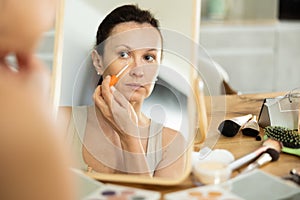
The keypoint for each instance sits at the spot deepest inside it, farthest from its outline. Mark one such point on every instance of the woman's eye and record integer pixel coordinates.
(149, 58)
(124, 54)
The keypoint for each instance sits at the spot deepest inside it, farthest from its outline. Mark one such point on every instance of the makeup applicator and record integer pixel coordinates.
(231, 127)
(269, 156)
(268, 144)
(115, 78)
(251, 128)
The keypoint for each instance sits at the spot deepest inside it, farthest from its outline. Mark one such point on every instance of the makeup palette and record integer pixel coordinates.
(210, 192)
(116, 192)
(90, 189)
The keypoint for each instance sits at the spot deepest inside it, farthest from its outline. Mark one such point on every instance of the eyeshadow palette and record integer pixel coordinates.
(203, 193)
(116, 192)
(90, 189)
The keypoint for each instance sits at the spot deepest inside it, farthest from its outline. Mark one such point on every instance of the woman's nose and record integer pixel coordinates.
(136, 67)
(137, 71)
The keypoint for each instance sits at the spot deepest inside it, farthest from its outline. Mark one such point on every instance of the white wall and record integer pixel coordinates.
(257, 57)
(82, 18)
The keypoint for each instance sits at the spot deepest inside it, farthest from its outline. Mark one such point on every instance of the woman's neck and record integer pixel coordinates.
(143, 120)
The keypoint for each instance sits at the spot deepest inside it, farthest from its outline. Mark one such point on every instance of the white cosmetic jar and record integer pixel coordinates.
(211, 172)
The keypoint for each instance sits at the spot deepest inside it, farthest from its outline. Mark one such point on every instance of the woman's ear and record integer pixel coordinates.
(97, 62)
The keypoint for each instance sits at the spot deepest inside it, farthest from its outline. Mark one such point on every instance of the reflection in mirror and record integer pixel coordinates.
(113, 134)
(135, 143)
(140, 126)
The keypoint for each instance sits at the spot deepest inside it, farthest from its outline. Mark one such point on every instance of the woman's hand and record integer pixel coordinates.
(119, 113)
(117, 110)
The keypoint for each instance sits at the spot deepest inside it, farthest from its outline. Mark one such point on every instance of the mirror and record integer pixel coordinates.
(176, 101)
(57, 57)
(50, 52)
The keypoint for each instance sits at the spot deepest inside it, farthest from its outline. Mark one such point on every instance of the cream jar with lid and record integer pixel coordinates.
(212, 172)
(211, 167)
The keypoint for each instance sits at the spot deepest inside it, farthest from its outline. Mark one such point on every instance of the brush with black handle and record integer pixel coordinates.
(269, 156)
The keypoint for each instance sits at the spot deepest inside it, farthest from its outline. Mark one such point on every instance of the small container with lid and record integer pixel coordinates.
(212, 172)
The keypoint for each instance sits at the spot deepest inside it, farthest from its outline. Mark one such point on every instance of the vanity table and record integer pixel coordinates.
(239, 145)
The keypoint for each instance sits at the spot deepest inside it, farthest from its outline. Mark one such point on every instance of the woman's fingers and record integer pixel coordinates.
(102, 95)
(120, 103)
(115, 107)
(100, 102)
(97, 96)
(119, 98)
(106, 91)
(110, 94)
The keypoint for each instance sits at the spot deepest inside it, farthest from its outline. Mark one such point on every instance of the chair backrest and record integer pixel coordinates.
(211, 74)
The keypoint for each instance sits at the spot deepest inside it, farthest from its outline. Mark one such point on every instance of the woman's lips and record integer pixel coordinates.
(134, 86)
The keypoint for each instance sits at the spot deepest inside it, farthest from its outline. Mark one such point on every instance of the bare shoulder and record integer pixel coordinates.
(170, 135)
(64, 116)
(65, 109)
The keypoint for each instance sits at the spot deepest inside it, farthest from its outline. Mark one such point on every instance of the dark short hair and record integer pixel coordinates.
(125, 13)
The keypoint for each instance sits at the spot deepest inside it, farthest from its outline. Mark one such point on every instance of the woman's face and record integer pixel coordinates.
(136, 45)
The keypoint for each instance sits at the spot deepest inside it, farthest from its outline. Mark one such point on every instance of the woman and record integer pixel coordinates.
(117, 137)
(33, 162)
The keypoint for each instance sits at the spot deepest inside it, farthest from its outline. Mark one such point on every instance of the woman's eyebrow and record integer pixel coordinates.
(129, 48)
(152, 50)
(122, 46)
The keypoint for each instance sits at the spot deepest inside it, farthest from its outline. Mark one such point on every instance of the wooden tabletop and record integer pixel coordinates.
(239, 145)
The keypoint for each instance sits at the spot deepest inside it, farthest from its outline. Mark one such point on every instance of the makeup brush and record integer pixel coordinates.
(115, 78)
(247, 158)
(251, 128)
(268, 144)
(231, 127)
(269, 156)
